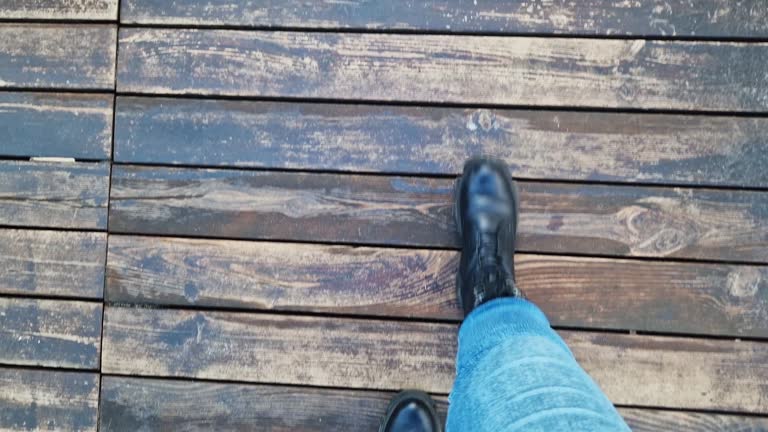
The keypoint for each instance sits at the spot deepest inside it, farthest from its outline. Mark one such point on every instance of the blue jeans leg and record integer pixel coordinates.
(514, 373)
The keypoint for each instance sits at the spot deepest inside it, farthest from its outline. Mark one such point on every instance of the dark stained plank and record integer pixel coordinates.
(56, 125)
(52, 263)
(59, 9)
(158, 405)
(51, 333)
(46, 400)
(435, 68)
(555, 218)
(634, 370)
(57, 56)
(577, 292)
(641, 420)
(708, 18)
(59, 195)
(645, 148)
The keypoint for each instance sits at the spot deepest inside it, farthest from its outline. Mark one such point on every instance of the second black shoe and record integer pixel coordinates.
(486, 217)
(411, 411)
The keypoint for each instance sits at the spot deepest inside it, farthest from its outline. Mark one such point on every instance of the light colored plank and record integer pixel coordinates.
(58, 56)
(457, 69)
(59, 9)
(50, 333)
(633, 370)
(46, 400)
(555, 218)
(577, 292)
(57, 195)
(52, 263)
(704, 18)
(56, 125)
(648, 148)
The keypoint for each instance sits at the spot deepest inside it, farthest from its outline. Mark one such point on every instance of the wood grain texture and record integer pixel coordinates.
(555, 218)
(57, 56)
(46, 400)
(159, 405)
(59, 9)
(56, 125)
(709, 18)
(433, 68)
(52, 263)
(642, 420)
(633, 370)
(576, 292)
(50, 333)
(58, 195)
(536, 144)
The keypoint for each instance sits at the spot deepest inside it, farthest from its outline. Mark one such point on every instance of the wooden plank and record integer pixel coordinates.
(50, 333)
(647, 148)
(155, 405)
(457, 69)
(158, 405)
(57, 56)
(59, 195)
(59, 9)
(555, 218)
(708, 18)
(576, 292)
(56, 125)
(45, 400)
(334, 352)
(52, 263)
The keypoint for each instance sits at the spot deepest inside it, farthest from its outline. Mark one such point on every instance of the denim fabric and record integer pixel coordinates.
(514, 373)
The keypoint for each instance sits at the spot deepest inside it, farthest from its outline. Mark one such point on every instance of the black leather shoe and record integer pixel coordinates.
(411, 411)
(486, 217)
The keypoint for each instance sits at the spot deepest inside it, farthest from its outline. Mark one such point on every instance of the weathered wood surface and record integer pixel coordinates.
(432, 68)
(709, 18)
(557, 218)
(59, 195)
(51, 333)
(59, 9)
(159, 405)
(52, 263)
(335, 352)
(646, 148)
(57, 56)
(642, 420)
(577, 292)
(56, 125)
(46, 400)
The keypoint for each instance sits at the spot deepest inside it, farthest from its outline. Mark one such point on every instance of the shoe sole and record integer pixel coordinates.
(458, 220)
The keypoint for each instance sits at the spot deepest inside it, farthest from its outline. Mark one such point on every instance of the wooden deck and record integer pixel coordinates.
(255, 230)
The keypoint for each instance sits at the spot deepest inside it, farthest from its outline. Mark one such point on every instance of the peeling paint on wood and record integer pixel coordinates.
(50, 333)
(555, 218)
(59, 9)
(58, 56)
(52, 263)
(54, 195)
(56, 125)
(576, 292)
(633, 370)
(703, 18)
(458, 69)
(47, 400)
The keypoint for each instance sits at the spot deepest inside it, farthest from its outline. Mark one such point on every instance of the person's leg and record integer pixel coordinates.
(514, 373)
